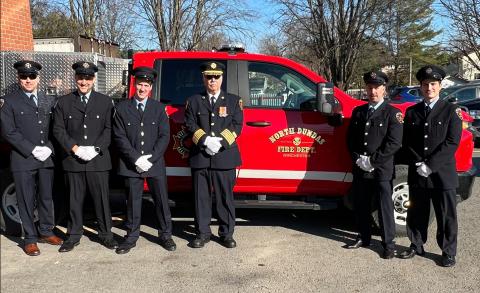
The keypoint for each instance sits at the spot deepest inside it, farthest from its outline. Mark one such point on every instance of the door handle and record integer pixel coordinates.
(259, 123)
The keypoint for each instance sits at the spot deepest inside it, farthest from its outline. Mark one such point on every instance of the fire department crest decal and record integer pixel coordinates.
(399, 117)
(297, 140)
(459, 113)
(181, 144)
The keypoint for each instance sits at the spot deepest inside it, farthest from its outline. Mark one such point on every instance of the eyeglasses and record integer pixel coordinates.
(31, 76)
(212, 76)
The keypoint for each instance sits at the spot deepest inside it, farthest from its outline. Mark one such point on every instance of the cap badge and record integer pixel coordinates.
(213, 65)
(86, 65)
(373, 75)
(429, 70)
(28, 65)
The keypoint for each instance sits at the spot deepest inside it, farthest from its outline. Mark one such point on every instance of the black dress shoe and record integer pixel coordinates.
(357, 244)
(168, 244)
(448, 260)
(109, 243)
(68, 246)
(410, 253)
(199, 242)
(125, 247)
(228, 242)
(389, 253)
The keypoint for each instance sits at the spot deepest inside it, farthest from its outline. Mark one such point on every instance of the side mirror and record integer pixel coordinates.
(325, 98)
(453, 99)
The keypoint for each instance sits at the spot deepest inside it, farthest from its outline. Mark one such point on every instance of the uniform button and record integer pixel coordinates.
(142, 143)
(141, 123)
(426, 123)
(368, 123)
(212, 124)
(85, 115)
(142, 152)
(365, 143)
(366, 133)
(40, 122)
(36, 112)
(426, 148)
(84, 126)
(142, 134)
(41, 131)
(364, 153)
(213, 115)
(69, 117)
(426, 136)
(41, 141)
(85, 137)
(213, 133)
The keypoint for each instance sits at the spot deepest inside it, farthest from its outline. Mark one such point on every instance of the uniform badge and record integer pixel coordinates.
(240, 104)
(86, 65)
(373, 75)
(459, 113)
(2, 101)
(399, 117)
(28, 65)
(213, 65)
(429, 70)
(222, 111)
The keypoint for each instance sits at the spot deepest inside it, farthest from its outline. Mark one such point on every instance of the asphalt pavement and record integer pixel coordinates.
(278, 251)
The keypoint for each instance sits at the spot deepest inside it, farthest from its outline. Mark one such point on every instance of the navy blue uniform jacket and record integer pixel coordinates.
(224, 119)
(24, 126)
(91, 126)
(135, 136)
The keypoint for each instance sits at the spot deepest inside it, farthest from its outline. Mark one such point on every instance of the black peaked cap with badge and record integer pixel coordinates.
(84, 68)
(375, 77)
(430, 72)
(212, 68)
(27, 67)
(144, 72)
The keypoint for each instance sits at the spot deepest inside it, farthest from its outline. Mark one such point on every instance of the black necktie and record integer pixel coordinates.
(140, 108)
(84, 100)
(370, 112)
(212, 100)
(427, 110)
(34, 99)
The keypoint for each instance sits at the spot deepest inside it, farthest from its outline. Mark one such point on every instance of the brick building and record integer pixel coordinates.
(15, 26)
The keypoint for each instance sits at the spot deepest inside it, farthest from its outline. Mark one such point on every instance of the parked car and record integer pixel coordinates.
(461, 93)
(473, 108)
(405, 94)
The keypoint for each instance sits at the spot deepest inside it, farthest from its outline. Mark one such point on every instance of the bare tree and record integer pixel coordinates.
(464, 18)
(84, 13)
(186, 24)
(115, 22)
(328, 33)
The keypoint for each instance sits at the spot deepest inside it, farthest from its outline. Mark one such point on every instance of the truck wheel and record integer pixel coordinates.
(10, 223)
(400, 199)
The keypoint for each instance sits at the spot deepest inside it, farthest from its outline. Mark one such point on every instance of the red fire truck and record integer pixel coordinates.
(293, 144)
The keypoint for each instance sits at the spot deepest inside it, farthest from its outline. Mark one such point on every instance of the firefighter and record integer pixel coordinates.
(25, 118)
(214, 118)
(374, 136)
(141, 132)
(433, 130)
(82, 126)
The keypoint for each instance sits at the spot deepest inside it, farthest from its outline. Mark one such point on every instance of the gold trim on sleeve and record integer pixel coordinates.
(197, 135)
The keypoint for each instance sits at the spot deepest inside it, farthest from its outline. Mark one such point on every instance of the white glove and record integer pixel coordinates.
(82, 153)
(364, 163)
(91, 152)
(213, 143)
(41, 153)
(143, 164)
(210, 152)
(423, 169)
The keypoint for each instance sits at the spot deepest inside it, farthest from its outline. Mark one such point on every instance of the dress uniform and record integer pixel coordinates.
(432, 134)
(82, 126)
(374, 136)
(141, 129)
(25, 119)
(215, 121)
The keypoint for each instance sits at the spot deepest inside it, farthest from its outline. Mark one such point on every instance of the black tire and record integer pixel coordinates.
(10, 223)
(400, 198)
